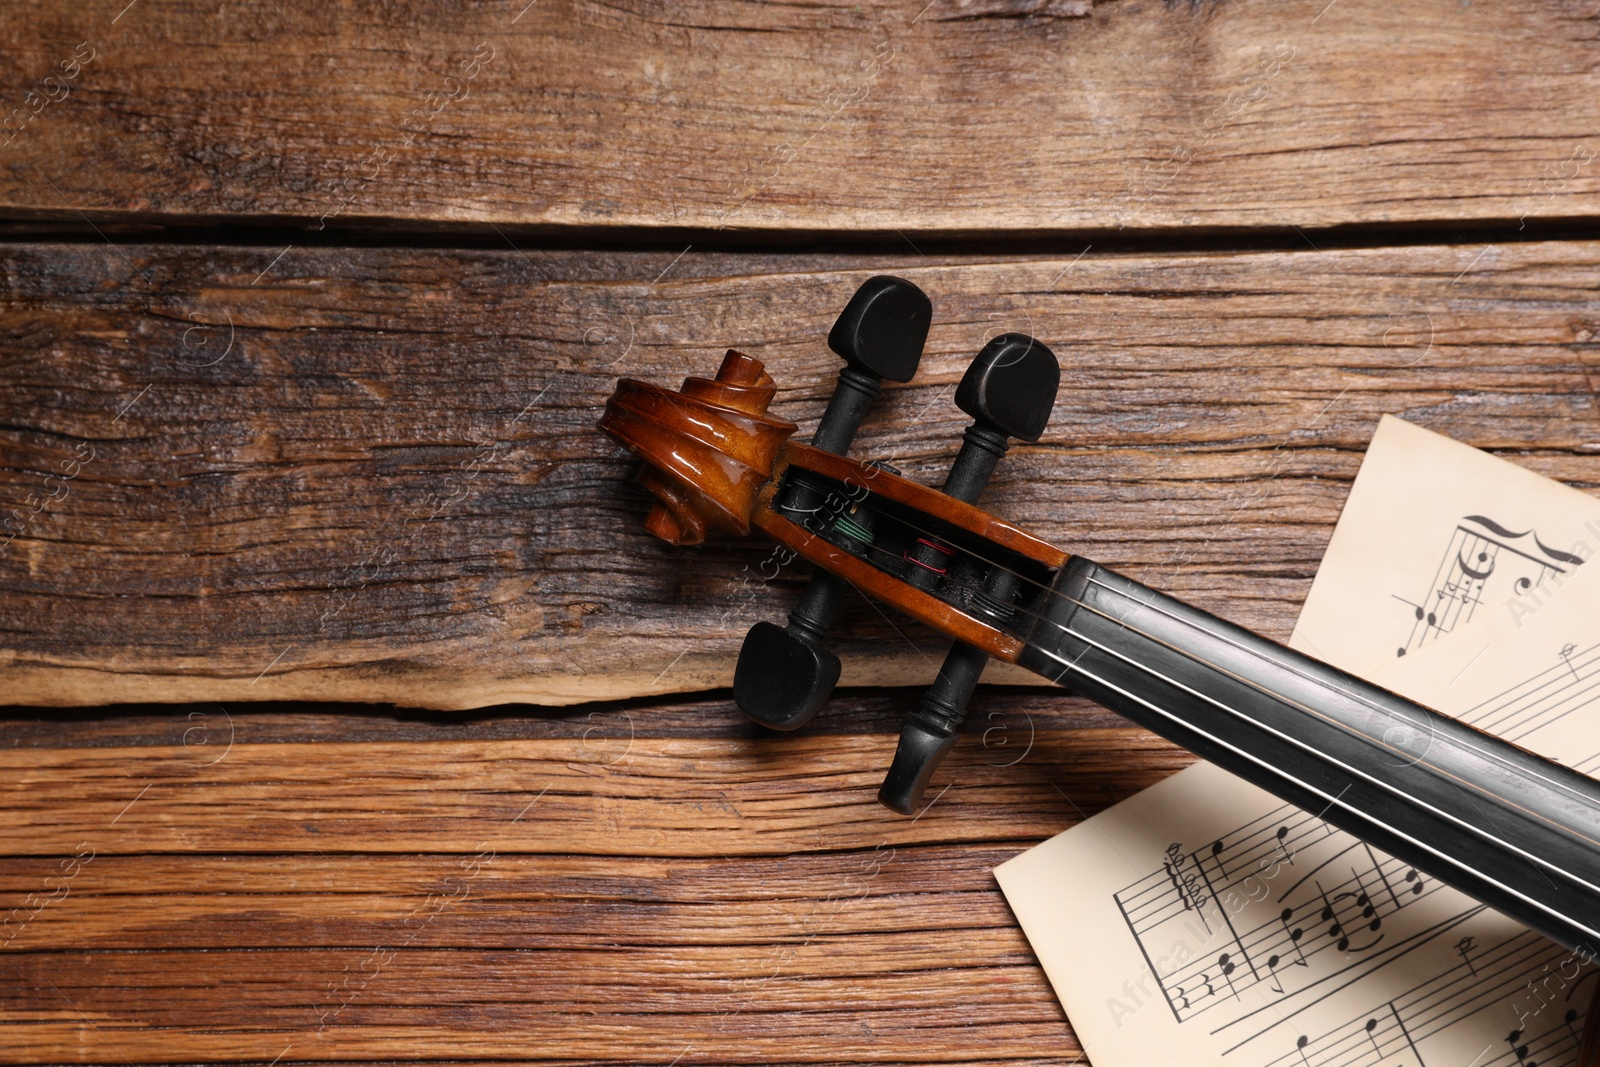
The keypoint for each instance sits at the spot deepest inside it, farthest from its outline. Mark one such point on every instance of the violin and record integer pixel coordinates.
(1517, 831)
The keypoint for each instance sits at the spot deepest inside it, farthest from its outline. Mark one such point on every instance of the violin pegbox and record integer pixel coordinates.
(716, 459)
(785, 674)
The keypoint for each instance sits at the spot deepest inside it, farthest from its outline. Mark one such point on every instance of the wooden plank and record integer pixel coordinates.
(800, 1002)
(889, 118)
(721, 901)
(372, 474)
(620, 796)
(570, 902)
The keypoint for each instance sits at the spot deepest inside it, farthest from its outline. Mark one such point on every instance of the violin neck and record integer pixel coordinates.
(1517, 831)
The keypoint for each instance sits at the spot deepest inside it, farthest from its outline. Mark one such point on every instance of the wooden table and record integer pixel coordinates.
(308, 312)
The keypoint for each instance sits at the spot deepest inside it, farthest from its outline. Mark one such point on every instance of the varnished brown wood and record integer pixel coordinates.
(871, 582)
(712, 457)
(927, 500)
(738, 901)
(710, 117)
(389, 487)
(708, 448)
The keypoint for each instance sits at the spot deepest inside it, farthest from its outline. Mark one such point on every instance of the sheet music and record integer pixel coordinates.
(1555, 709)
(1434, 535)
(1205, 922)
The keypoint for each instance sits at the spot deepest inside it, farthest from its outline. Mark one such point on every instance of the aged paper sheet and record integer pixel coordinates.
(1553, 650)
(1205, 922)
(1436, 533)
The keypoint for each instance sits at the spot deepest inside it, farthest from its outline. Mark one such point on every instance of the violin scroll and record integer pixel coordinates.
(708, 449)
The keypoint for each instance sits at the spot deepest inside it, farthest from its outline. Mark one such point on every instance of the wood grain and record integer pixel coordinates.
(299, 456)
(372, 474)
(708, 118)
(733, 901)
(672, 797)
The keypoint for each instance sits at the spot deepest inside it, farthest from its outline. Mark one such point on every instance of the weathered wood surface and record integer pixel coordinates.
(596, 893)
(711, 117)
(271, 472)
(373, 475)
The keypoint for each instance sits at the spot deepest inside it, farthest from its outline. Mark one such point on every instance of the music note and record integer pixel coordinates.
(1571, 1019)
(1272, 971)
(1300, 1046)
(1227, 966)
(1429, 619)
(1566, 657)
(1521, 1051)
(1464, 947)
(1283, 833)
(1368, 911)
(1416, 881)
(1295, 935)
(1331, 916)
(1372, 1025)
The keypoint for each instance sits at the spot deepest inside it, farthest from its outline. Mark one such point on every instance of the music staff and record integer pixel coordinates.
(1208, 940)
(1563, 689)
(1396, 1032)
(1480, 551)
(1254, 983)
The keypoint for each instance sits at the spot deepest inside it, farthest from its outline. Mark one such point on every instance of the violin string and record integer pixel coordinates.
(1356, 772)
(1236, 713)
(1050, 591)
(1337, 799)
(1466, 742)
(1585, 799)
(1356, 696)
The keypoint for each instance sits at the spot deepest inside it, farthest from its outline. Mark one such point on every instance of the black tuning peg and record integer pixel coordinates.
(1009, 391)
(785, 674)
(879, 335)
